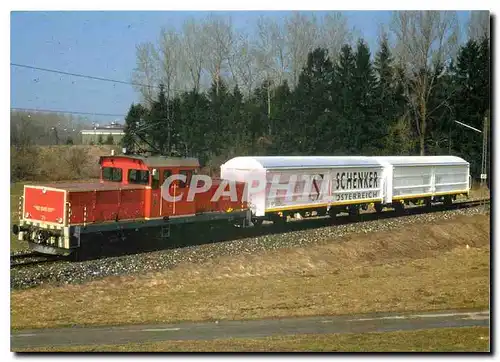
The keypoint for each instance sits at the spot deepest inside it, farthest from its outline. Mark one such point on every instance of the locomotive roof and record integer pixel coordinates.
(160, 161)
(274, 162)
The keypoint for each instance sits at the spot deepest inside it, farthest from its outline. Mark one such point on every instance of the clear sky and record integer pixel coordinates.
(103, 44)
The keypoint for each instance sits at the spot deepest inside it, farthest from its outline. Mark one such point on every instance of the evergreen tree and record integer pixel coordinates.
(471, 100)
(394, 128)
(285, 125)
(194, 110)
(343, 97)
(133, 120)
(258, 121)
(369, 128)
(238, 130)
(312, 105)
(159, 126)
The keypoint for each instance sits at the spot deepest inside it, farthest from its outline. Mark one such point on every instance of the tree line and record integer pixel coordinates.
(403, 100)
(42, 128)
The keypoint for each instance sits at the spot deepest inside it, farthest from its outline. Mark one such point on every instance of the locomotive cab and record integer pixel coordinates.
(60, 218)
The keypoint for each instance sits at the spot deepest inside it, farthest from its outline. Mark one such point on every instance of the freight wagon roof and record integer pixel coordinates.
(294, 162)
(423, 160)
(159, 161)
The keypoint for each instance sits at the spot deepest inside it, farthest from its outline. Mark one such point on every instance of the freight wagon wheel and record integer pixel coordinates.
(353, 211)
(399, 207)
(257, 222)
(447, 201)
(321, 212)
(379, 208)
(332, 213)
(279, 220)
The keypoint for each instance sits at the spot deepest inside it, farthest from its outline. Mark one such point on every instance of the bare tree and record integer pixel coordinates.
(170, 59)
(193, 48)
(272, 55)
(302, 36)
(479, 24)
(147, 72)
(219, 38)
(425, 42)
(334, 33)
(245, 63)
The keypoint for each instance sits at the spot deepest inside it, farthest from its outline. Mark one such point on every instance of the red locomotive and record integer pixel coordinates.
(56, 218)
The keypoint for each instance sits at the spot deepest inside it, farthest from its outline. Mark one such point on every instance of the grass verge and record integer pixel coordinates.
(436, 267)
(468, 339)
(16, 190)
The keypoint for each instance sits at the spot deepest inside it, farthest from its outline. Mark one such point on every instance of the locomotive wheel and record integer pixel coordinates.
(77, 255)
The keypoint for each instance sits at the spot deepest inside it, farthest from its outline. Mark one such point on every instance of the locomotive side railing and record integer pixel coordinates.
(20, 208)
(68, 221)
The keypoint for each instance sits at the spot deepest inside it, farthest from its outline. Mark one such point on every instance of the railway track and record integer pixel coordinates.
(313, 222)
(31, 259)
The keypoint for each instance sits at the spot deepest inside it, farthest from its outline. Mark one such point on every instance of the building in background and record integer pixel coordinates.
(111, 134)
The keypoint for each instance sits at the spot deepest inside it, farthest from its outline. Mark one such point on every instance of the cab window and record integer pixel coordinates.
(140, 177)
(155, 179)
(187, 173)
(166, 174)
(112, 174)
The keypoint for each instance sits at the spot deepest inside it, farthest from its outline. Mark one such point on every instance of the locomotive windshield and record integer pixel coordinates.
(138, 177)
(112, 174)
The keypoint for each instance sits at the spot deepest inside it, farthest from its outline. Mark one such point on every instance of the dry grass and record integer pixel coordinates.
(479, 192)
(42, 164)
(470, 339)
(419, 268)
(55, 163)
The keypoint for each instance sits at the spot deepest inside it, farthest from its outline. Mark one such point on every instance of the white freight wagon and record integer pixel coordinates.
(295, 183)
(429, 178)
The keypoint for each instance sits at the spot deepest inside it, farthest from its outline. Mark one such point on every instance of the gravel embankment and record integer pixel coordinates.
(66, 272)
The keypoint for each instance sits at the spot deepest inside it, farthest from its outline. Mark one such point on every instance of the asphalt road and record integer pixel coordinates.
(246, 329)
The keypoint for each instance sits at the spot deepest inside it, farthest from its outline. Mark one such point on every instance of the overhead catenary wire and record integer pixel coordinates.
(103, 79)
(87, 76)
(66, 111)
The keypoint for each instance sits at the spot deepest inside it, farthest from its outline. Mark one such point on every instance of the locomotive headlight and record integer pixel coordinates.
(60, 220)
(27, 215)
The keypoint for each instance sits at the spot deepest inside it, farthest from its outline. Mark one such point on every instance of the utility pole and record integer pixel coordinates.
(484, 161)
(217, 71)
(484, 158)
(269, 104)
(162, 104)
